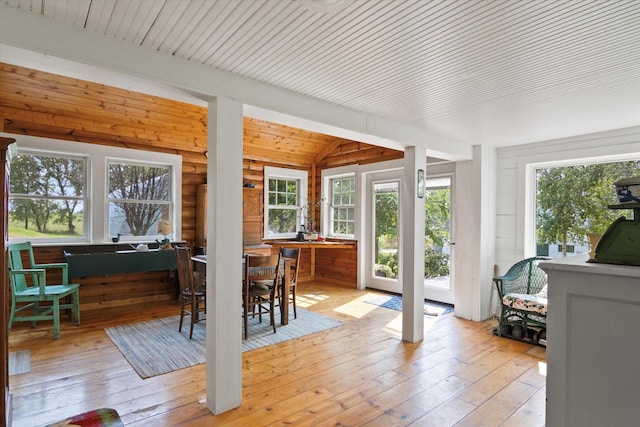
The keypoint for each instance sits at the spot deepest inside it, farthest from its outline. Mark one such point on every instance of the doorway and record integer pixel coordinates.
(439, 242)
(382, 225)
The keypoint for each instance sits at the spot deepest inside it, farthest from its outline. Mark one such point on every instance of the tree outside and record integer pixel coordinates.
(572, 201)
(46, 196)
(138, 194)
(437, 232)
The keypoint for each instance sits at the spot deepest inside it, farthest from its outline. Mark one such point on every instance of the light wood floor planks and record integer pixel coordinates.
(360, 374)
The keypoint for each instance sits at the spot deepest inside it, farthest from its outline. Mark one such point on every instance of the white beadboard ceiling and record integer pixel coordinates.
(500, 72)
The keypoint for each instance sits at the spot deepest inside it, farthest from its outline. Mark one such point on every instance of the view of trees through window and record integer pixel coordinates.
(283, 206)
(342, 208)
(139, 197)
(572, 201)
(437, 230)
(47, 196)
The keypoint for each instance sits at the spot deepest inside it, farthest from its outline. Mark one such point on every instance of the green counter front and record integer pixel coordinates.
(119, 262)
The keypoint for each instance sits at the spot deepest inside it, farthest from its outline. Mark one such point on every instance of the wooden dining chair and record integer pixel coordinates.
(29, 289)
(292, 254)
(260, 284)
(193, 293)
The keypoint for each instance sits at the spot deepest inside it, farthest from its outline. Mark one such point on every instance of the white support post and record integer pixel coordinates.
(224, 249)
(415, 158)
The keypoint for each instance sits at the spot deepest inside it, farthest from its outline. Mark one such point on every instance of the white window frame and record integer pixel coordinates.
(330, 207)
(335, 173)
(302, 177)
(85, 198)
(169, 203)
(98, 155)
(530, 194)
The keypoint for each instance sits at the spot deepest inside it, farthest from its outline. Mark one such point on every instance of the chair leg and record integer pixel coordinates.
(501, 321)
(13, 312)
(246, 318)
(36, 308)
(56, 318)
(293, 294)
(272, 306)
(181, 312)
(194, 314)
(76, 306)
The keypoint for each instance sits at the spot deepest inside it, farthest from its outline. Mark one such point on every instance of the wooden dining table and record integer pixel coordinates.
(285, 266)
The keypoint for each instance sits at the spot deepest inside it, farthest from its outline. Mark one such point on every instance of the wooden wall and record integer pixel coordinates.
(37, 103)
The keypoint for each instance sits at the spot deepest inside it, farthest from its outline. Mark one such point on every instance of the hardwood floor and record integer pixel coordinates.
(357, 374)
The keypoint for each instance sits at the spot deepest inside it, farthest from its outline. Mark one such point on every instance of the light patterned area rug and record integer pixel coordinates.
(394, 302)
(156, 347)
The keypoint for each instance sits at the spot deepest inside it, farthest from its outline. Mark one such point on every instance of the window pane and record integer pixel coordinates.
(47, 175)
(282, 221)
(342, 210)
(139, 196)
(350, 228)
(47, 196)
(135, 219)
(572, 201)
(136, 182)
(46, 219)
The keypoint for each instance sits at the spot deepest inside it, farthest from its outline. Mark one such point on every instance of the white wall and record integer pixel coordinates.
(514, 211)
(474, 216)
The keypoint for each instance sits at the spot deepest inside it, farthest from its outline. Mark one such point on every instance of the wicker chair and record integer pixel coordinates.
(523, 300)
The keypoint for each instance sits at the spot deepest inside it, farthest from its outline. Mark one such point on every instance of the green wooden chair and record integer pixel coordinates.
(29, 289)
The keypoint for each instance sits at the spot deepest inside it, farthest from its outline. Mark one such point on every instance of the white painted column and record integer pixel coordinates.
(475, 207)
(412, 233)
(224, 255)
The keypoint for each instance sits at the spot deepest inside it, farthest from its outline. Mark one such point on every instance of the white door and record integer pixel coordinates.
(439, 245)
(382, 225)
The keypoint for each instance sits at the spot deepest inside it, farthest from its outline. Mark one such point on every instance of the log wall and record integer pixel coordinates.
(42, 104)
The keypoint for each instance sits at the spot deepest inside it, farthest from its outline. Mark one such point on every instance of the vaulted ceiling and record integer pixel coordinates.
(481, 72)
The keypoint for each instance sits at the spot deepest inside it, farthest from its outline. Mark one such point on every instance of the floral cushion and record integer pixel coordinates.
(526, 302)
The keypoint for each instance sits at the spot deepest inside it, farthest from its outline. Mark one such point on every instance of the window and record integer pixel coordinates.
(48, 195)
(338, 205)
(572, 201)
(139, 196)
(64, 191)
(342, 206)
(285, 196)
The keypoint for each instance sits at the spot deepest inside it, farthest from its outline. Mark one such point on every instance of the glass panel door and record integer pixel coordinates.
(438, 280)
(383, 225)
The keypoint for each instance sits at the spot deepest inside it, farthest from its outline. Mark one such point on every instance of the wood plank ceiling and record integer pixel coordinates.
(497, 72)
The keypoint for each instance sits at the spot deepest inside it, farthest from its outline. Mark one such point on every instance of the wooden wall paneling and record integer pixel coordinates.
(252, 215)
(338, 265)
(34, 102)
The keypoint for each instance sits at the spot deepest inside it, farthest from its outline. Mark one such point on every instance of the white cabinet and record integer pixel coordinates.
(593, 344)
